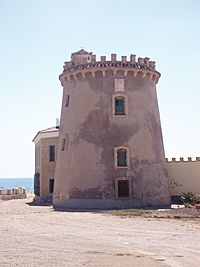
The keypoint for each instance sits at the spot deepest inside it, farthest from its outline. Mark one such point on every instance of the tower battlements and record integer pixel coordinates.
(182, 159)
(83, 62)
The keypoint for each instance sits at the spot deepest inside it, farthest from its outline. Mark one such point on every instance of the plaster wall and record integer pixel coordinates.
(85, 167)
(47, 168)
(184, 177)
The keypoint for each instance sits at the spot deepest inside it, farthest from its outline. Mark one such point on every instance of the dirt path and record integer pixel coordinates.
(36, 236)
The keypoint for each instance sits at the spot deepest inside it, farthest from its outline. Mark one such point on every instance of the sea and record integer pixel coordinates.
(9, 183)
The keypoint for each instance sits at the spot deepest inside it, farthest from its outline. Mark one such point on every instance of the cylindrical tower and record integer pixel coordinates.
(110, 152)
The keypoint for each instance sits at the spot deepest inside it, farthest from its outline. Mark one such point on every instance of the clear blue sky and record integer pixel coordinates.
(36, 37)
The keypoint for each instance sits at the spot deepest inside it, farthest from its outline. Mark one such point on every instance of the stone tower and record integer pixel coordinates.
(110, 150)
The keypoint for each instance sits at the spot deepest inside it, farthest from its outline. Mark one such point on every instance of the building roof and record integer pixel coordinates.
(46, 133)
(52, 129)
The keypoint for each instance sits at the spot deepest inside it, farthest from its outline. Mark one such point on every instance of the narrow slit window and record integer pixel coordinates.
(119, 106)
(121, 158)
(51, 153)
(63, 144)
(67, 101)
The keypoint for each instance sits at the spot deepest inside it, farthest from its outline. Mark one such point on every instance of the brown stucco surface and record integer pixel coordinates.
(85, 170)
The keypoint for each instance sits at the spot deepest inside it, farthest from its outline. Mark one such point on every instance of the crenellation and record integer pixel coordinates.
(67, 64)
(182, 159)
(146, 61)
(124, 59)
(103, 58)
(141, 60)
(93, 58)
(132, 58)
(152, 64)
(14, 193)
(113, 57)
(81, 62)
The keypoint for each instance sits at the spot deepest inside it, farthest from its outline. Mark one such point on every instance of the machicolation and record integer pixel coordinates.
(88, 65)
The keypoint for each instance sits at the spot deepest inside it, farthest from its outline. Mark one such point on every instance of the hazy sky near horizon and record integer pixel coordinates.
(36, 37)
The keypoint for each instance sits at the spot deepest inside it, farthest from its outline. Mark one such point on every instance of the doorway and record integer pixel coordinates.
(123, 188)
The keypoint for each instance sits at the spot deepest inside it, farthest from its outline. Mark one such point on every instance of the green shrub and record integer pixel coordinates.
(187, 197)
(190, 198)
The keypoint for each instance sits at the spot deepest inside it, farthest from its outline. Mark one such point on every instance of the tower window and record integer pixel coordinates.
(51, 153)
(67, 101)
(119, 106)
(51, 185)
(121, 158)
(63, 144)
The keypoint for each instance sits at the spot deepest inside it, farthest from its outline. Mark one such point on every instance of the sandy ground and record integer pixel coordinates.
(40, 236)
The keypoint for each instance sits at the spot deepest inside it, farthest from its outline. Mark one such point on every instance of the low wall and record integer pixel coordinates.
(8, 194)
(184, 175)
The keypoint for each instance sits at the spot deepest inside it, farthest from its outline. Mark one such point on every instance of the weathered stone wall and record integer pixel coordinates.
(85, 168)
(184, 176)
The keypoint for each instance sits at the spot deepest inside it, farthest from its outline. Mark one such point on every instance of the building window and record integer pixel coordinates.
(119, 106)
(121, 157)
(51, 153)
(123, 188)
(51, 185)
(67, 101)
(63, 144)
